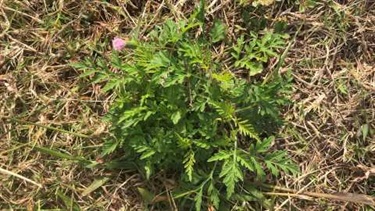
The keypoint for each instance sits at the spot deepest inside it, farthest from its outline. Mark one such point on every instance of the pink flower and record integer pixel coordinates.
(118, 44)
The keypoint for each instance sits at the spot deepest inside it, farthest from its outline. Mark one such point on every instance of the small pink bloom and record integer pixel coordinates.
(118, 44)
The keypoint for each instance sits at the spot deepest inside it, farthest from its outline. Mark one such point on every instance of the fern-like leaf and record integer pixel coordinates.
(198, 199)
(110, 146)
(213, 195)
(217, 33)
(226, 110)
(244, 161)
(221, 155)
(146, 151)
(189, 162)
(278, 160)
(264, 145)
(231, 174)
(246, 128)
(258, 168)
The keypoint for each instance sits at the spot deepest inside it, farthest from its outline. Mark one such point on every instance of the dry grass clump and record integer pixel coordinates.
(332, 120)
(45, 104)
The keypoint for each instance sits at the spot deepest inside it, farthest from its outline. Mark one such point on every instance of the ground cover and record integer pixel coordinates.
(51, 127)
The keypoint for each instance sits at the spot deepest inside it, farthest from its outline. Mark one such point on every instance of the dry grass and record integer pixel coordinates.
(39, 41)
(334, 68)
(332, 60)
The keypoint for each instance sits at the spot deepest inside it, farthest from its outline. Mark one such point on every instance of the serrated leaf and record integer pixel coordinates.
(147, 154)
(258, 168)
(115, 60)
(279, 160)
(159, 60)
(202, 144)
(213, 195)
(193, 51)
(246, 129)
(275, 156)
(238, 48)
(290, 167)
(146, 151)
(225, 109)
(87, 72)
(100, 77)
(264, 145)
(198, 199)
(110, 85)
(189, 162)
(221, 155)
(217, 32)
(130, 115)
(109, 147)
(245, 162)
(80, 65)
(231, 174)
(273, 169)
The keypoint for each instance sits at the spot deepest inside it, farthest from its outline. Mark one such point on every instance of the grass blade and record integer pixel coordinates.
(4, 171)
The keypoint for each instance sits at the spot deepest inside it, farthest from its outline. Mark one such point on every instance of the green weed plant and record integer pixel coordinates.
(181, 110)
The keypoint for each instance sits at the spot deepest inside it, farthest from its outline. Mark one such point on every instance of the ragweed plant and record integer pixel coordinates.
(180, 110)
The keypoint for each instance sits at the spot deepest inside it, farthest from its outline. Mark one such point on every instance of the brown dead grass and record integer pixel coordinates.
(334, 71)
(332, 61)
(39, 40)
